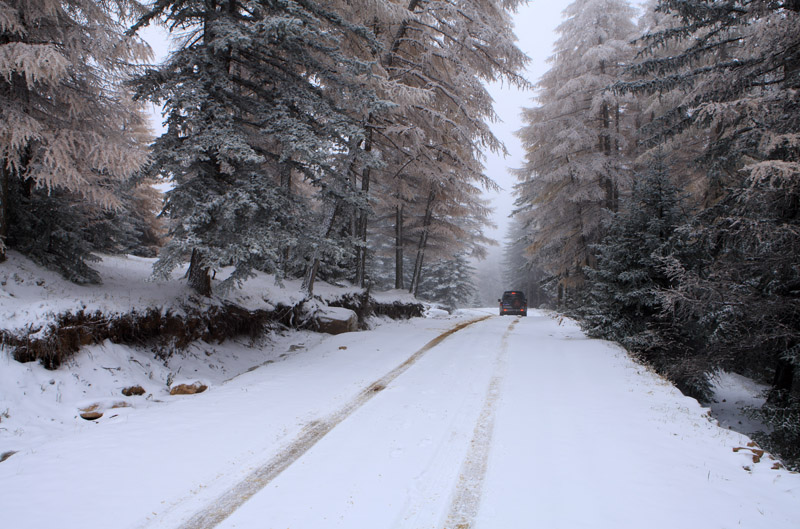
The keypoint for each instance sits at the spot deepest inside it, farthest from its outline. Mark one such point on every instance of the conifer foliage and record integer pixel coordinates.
(625, 292)
(712, 284)
(449, 282)
(70, 135)
(626, 281)
(741, 75)
(258, 96)
(437, 56)
(293, 127)
(576, 139)
(288, 121)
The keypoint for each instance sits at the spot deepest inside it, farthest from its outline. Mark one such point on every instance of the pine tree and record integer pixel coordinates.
(449, 282)
(132, 227)
(437, 56)
(70, 134)
(264, 113)
(626, 291)
(576, 140)
(740, 73)
(629, 274)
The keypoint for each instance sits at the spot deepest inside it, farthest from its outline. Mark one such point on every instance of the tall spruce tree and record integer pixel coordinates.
(625, 284)
(739, 73)
(449, 282)
(625, 299)
(70, 134)
(576, 139)
(264, 116)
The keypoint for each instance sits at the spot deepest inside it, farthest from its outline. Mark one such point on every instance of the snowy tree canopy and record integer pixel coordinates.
(257, 95)
(70, 134)
(576, 139)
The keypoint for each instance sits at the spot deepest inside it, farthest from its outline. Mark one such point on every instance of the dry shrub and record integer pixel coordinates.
(399, 310)
(167, 331)
(133, 390)
(188, 389)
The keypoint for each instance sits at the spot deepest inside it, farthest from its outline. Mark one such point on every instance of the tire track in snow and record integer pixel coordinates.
(467, 495)
(312, 433)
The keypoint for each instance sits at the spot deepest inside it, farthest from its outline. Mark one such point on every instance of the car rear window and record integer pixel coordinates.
(508, 296)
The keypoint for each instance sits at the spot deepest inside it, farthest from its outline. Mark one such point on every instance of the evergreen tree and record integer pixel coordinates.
(576, 140)
(437, 56)
(625, 284)
(70, 135)
(519, 272)
(264, 115)
(132, 227)
(449, 282)
(625, 299)
(739, 72)
(654, 110)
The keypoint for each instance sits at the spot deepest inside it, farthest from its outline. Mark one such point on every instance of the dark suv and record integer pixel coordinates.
(513, 302)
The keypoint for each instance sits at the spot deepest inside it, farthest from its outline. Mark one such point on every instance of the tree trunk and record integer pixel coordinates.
(423, 243)
(199, 277)
(792, 63)
(311, 273)
(398, 247)
(361, 264)
(4, 210)
(614, 187)
(782, 383)
(286, 177)
(605, 148)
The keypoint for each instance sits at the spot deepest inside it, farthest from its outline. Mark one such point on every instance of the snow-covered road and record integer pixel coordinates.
(471, 421)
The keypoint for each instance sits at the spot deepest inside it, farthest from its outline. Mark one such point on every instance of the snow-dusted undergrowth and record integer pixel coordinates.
(37, 404)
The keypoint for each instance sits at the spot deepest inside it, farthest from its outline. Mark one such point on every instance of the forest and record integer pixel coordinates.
(659, 201)
(333, 140)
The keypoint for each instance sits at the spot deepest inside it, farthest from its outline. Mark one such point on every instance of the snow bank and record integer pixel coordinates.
(31, 296)
(38, 403)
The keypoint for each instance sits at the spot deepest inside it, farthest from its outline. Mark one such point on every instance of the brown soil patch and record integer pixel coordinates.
(133, 390)
(188, 389)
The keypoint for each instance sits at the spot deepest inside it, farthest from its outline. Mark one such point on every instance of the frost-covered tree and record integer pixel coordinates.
(437, 56)
(625, 292)
(133, 226)
(624, 286)
(264, 114)
(453, 220)
(739, 75)
(70, 135)
(576, 140)
(653, 110)
(449, 282)
(736, 67)
(749, 103)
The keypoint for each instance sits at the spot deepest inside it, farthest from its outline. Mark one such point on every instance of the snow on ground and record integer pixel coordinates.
(732, 394)
(599, 441)
(504, 423)
(38, 404)
(142, 463)
(32, 295)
